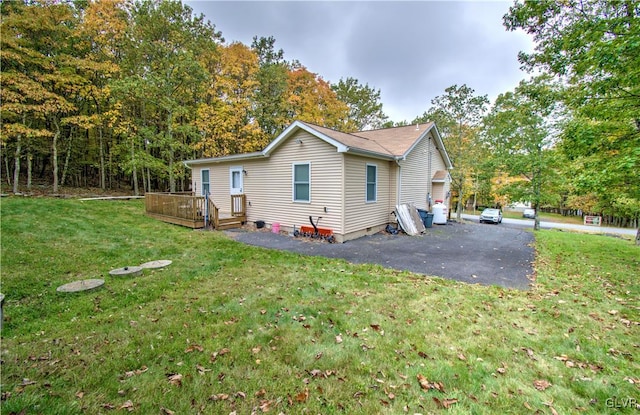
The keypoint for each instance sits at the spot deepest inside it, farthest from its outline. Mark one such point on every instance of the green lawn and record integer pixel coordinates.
(227, 327)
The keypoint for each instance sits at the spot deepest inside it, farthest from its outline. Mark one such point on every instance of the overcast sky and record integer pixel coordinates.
(410, 51)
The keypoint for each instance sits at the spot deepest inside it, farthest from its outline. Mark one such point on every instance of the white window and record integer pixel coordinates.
(302, 182)
(372, 182)
(204, 175)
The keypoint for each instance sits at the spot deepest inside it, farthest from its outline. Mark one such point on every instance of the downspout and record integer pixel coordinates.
(399, 179)
(429, 178)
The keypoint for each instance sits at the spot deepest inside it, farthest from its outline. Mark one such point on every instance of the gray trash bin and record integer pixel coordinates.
(427, 218)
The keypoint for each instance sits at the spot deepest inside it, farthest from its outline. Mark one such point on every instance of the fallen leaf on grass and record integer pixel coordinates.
(165, 411)
(462, 356)
(201, 369)
(338, 339)
(128, 405)
(541, 384)
(220, 352)
(219, 397)
(596, 317)
(79, 395)
(582, 365)
(135, 372)
(549, 404)
(193, 347)
(303, 396)
(317, 373)
(426, 385)
(445, 403)
(529, 353)
(265, 405)
(175, 379)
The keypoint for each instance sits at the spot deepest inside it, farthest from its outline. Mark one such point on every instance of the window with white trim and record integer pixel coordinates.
(372, 183)
(204, 175)
(302, 182)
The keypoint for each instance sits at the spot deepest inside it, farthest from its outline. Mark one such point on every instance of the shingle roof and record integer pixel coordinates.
(388, 143)
(439, 176)
(396, 141)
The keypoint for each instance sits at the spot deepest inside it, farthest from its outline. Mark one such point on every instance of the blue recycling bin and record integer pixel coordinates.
(427, 218)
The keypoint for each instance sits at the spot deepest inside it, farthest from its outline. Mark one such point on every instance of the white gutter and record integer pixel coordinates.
(233, 157)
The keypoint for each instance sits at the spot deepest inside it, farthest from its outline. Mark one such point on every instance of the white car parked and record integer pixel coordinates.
(491, 215)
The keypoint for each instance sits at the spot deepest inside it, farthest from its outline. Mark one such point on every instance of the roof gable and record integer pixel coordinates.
(388, 143)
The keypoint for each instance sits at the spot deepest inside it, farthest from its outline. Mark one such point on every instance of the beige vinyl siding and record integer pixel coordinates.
(437, 161)
(415, 181)
(268, 184)
(440, 190)
(271, 191)
(360, 214)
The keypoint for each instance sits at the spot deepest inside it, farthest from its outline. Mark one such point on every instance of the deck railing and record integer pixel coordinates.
(186, 209)
(238, 205)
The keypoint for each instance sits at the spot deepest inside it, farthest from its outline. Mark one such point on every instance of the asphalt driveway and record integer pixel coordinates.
(468, 252)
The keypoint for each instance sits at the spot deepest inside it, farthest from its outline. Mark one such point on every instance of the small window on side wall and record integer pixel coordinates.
(302, 182)
(372, 182)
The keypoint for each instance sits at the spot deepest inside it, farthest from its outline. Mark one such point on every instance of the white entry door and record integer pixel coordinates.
(235, 180)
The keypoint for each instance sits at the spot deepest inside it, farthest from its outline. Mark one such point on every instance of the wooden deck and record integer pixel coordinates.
(192, 211)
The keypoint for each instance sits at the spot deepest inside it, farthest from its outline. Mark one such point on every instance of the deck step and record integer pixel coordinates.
(231, 223)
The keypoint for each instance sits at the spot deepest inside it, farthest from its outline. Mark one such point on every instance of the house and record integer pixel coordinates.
(352, 181)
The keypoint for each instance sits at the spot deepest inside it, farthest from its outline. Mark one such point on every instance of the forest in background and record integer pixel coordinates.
(115, 94)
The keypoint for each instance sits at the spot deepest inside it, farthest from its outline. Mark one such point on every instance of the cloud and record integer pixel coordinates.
(411, 51)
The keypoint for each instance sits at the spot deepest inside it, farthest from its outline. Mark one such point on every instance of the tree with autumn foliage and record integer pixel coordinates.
(162, 80)
(310, 98)
(270, 99)
(225, 116)
(101, 31)
(45, 79)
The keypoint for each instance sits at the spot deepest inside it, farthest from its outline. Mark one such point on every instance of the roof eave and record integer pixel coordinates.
(222, 159)
(368, 153)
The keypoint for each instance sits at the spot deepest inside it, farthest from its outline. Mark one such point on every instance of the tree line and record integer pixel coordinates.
(106, 93)
(568, 138)
(117, 93)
